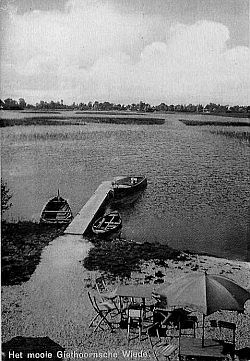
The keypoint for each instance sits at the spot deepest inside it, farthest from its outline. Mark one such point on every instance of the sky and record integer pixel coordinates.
(126, 51)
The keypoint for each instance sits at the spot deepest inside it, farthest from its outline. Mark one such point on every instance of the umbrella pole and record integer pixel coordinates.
(179, 351)
(203, 329)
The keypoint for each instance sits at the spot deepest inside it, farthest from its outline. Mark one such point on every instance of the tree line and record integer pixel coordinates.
(11, 104)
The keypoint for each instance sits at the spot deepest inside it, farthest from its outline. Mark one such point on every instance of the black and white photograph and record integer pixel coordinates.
(125, 180)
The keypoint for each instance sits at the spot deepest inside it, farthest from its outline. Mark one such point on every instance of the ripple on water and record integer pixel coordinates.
(197, 194)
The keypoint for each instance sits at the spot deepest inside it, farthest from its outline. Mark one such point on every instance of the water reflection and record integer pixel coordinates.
(126, 202)
(197, 194)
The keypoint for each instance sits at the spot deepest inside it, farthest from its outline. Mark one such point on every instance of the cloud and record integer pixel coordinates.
(91, 51)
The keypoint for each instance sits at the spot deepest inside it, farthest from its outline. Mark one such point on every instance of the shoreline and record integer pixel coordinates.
(54, 301)
(19, 253)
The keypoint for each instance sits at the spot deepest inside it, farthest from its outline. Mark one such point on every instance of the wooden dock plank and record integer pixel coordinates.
(83, 219)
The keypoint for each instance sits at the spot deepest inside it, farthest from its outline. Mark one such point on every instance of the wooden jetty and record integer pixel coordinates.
(84, 218)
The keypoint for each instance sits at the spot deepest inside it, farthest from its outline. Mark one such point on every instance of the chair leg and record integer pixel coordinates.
(93, 320)
(104, 318)
(139, 323)
(98, 325)
(140, 329)
(128, 331)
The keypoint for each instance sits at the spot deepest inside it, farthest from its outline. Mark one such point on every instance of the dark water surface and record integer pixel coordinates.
(197, 195)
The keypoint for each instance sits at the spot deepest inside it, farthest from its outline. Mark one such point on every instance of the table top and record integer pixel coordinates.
(190, 346)
(137, 291)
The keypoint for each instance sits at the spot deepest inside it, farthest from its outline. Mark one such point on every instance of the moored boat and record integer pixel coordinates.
(56, 211)
(108, 224)
(123, 186)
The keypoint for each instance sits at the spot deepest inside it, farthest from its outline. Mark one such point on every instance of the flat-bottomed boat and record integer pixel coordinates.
(56, 211)
(124, 186)
(108, 224)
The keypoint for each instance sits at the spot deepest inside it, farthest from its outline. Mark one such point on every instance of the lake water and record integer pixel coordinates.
(198, 182)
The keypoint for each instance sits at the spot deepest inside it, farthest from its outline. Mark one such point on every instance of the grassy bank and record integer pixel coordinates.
(230, 115)
(22, 244)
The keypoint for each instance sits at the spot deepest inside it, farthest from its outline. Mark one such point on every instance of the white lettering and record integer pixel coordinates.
(15, 354)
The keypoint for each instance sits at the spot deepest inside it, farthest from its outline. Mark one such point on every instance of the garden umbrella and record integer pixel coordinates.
(205, 293)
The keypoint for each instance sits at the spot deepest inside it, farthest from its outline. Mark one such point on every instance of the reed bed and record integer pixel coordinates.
(242, 135)
(120, 257)
(22, 245)
(215, 123)
(32, 121)
(75, 120)
(45, 136)
(41, 111)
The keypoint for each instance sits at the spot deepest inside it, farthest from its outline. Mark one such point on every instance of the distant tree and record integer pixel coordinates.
(11, 104)
(1, 104)
(133, 107)
(5, 197)
(95, 106)
(162, 107)
(200, 108)
(22, 103)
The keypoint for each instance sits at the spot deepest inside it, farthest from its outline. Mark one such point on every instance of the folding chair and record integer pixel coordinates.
(100, 284)
(159, 346)
(135, 319)
(103, 291)
(188, 323)
(163, 319)
(103, 310)
(228, 340)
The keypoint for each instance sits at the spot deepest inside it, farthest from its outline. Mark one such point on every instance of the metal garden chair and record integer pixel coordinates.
(104, 311)
(135, 314)
(103, 289)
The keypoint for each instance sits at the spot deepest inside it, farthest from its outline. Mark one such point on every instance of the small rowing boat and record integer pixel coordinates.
(108, 224)
(123, 186)
(56, 211)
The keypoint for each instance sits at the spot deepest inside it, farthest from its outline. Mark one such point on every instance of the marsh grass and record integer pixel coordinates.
(242, 135)
(47, 135)
(34, 121)
(21, 247)
(228, 123)
(120, 257)
(75, 120)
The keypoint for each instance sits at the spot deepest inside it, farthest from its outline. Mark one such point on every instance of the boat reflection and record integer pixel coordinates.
(127, 201)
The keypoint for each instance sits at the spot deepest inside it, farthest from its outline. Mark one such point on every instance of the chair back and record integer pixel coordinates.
(135, 319)
(188, 324)
(135, 312)
(93, 302)
(227, 326)
(153, 331)
(100, 285)
(160, 315)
